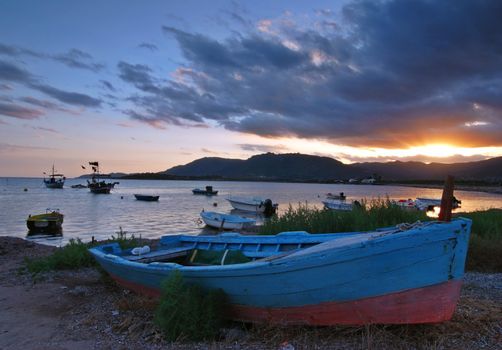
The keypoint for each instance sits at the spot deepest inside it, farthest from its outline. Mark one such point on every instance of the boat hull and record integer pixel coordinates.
(409, 277)
(337, 205)
(257, 208)
(45, 224)
(100, 190)
(146, 198)
(430, 304)
(204, 192)
(54, 184)
(226, 222)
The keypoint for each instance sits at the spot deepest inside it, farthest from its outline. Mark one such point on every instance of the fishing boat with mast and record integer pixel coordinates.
(95, 184)
(54, 180)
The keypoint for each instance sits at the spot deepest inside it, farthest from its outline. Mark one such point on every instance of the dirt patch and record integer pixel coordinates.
(84, 310)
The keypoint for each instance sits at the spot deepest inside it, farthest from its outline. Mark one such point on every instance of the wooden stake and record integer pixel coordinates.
(447, 199)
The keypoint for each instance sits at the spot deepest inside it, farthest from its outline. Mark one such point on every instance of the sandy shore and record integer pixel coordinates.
(83, 310)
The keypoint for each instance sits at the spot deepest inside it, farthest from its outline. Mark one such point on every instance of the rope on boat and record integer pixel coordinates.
(405, 226)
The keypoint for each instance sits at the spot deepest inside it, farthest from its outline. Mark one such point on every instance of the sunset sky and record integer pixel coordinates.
(146, 85)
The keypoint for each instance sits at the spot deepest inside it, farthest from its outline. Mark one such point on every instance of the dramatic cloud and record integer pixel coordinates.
(15, 111)
(388, 73)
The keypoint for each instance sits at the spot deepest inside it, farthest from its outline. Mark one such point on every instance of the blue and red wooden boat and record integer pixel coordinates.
(389, 276)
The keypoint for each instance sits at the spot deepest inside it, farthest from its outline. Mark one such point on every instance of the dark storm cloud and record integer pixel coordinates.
(20, 112)
(389, 74)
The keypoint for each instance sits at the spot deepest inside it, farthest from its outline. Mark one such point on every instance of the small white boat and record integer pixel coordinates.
(337, 205)
(257, 205)
(226, 221)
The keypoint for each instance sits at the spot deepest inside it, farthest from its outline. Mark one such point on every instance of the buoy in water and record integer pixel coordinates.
(121, 197)
(215, 204)
(25, 190)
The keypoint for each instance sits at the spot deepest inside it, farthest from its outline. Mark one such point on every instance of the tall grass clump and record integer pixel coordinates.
(369, 215)
(74, 255)
(485, 245)
(186, 312)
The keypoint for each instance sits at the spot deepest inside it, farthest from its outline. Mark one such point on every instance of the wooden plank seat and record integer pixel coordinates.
(159, 255)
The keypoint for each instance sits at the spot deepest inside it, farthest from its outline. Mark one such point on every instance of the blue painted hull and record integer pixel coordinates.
(343, 268)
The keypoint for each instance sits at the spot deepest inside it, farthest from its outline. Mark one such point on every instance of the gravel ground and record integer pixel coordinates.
(84, 310)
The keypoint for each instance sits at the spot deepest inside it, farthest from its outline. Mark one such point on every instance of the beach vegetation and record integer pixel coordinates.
(485, 245)
(186, 312)
(369, 215)
(75, 254)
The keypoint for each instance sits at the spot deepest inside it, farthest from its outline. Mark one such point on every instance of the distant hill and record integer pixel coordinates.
(302, 167)
(269, 166)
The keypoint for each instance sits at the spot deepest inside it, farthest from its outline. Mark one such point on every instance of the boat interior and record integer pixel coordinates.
(225, 249)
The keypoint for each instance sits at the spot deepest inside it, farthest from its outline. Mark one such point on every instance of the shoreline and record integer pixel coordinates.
(470, 188)
(80, 309)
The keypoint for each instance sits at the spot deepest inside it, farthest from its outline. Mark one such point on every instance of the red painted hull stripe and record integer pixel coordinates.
(421, 305)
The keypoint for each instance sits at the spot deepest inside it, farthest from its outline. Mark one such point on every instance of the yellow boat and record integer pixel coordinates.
(51, 222)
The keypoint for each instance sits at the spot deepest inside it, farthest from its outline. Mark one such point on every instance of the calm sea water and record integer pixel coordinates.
(177, 211)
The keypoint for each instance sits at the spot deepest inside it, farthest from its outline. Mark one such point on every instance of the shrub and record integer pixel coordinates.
(72, 256)
(186, 312)
(75, 254)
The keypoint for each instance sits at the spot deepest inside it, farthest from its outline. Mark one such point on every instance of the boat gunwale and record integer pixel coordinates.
(288, 260)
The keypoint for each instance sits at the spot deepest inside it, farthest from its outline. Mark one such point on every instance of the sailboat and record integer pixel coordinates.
(97, 186)
(54, 180)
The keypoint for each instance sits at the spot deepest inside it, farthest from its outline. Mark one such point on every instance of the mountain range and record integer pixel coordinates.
(302, 167)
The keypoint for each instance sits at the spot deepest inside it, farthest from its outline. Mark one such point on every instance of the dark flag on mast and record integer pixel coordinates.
(94, 163)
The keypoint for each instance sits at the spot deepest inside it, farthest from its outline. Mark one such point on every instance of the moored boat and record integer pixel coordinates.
(207, 192)
(256, 205)
(337, 205)
(406, 274)
(99, 186)
(54, 180)
(146, 197)
(226, 221)
(49, 223)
